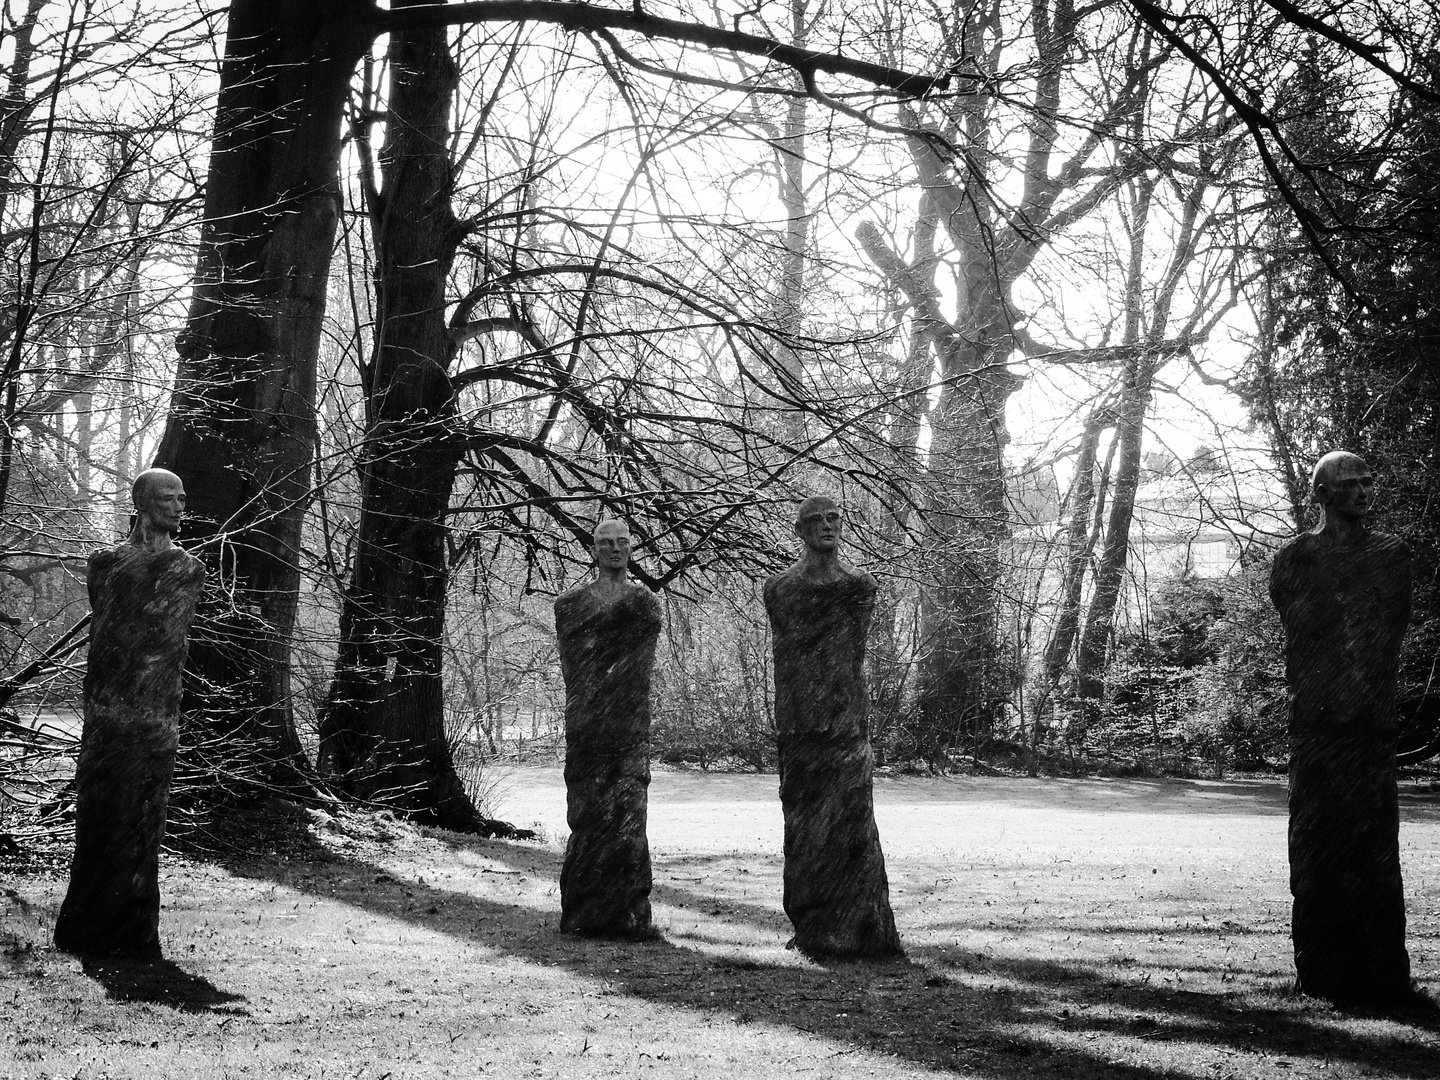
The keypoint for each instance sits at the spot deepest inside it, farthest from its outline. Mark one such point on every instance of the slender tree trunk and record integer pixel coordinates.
(1147, 319)
(790, 303)
(1079, 551)
(124, 378)
(242, 427)
(1262, 401)
(1110, 570)
(1135, 388)
(383, 729)
(892, 653)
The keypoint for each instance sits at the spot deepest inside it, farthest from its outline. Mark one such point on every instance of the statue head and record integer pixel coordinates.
(611, 543)
(1343, 484)
(818, 522)
(159, 498)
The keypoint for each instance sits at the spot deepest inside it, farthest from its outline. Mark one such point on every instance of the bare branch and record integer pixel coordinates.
(582, 17)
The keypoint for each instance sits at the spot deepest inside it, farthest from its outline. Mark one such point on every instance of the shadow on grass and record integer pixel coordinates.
(942, 1009)
(160, 982)
(1162, 795)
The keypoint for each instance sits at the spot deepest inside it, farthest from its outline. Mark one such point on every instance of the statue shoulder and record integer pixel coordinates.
(1288, 565)
(1392, 546)
(775, 582)
(1296, 552)
(190, 566)
(865, 578)
(571, 596)
(645, 598)
(1296, 547)
(102, 559)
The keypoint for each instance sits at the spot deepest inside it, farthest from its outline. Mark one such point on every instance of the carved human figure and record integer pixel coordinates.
(1343, 593)
(607, 630)
(836, 892)
(142, 594)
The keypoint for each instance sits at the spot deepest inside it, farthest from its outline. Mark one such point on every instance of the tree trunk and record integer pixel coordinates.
(1147, 317)
(960, 681)
(382, 734)
(242, 428)
(790, 303)
(1110, 571)
(963, 678)
(1079, 549)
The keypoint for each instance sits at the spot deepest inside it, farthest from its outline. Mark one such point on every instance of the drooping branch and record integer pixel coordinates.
(1263, 129)
(1371, 54)
(579, 17)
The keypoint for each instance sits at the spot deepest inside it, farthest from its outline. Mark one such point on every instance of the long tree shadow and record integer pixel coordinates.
(160, 982)
(1006, 1018)
(1167, 795)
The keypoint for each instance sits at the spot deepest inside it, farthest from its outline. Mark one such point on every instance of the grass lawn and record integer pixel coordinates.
(1071, 928)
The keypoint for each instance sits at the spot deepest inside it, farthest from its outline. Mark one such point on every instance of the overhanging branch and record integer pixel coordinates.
(578, 17)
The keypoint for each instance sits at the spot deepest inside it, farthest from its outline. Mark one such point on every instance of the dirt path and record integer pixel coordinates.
(1116, 929)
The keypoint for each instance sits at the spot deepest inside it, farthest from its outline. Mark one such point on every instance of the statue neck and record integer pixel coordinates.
(610, 581)
(147, 538)
(822, 565)
(1342, 530)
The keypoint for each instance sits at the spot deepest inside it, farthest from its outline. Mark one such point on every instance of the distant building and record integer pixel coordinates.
(1195, 518)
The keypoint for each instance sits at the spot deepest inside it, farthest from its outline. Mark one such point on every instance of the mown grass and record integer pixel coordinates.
(1116, 929)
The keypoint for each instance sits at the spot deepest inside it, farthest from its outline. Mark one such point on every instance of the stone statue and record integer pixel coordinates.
(836, 892)
(142, 595)
(607, 631)
(1343, 593)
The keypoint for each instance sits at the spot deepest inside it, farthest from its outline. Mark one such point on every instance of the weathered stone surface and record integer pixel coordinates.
(143, 603)
(836, 893)
(1344, 600)
(607, 648)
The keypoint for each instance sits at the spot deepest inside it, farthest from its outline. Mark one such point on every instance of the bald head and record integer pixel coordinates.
(817, 523)
(612, 546)
(159, 497)
(610, 527)
(1333, 470)
(816, 504)
(1343, 486)
(142, 490)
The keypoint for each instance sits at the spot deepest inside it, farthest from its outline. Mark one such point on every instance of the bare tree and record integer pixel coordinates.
(242, 427)
(968, 152)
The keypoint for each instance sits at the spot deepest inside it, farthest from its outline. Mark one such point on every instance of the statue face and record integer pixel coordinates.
(612, 545)
(1348, 490)
(819, 524)
(161, 501)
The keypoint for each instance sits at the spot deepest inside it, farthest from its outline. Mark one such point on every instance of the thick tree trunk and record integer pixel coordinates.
(242, 427)
(964, 675)
(383, 730)
(961, 679)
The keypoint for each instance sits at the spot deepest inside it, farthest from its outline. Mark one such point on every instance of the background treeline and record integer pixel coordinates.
(410, 297)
